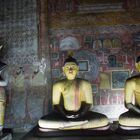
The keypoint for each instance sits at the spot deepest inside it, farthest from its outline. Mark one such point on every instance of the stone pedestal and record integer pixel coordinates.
(6, 136)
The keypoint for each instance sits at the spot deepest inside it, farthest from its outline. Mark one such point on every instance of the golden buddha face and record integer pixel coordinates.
(70, 69)
(138, 66)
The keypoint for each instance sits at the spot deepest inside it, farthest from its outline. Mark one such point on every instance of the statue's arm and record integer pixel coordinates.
(56, 96)
(129, 92)
(87, 104)
(87, 89)
(132, 107)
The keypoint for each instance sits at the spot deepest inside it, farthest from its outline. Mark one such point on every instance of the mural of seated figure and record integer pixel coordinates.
(130, 120)
(72, 100)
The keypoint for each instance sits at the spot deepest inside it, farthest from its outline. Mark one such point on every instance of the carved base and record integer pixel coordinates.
(6, 136)
(127, 132)
(1, 133)
(80, 132)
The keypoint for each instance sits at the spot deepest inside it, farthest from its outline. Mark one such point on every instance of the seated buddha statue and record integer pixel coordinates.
(131, 119)
(72, 101)
(3, 83)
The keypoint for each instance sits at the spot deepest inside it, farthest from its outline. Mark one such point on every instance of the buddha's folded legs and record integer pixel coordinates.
(92, 120)
(129, 121)
(61, 124)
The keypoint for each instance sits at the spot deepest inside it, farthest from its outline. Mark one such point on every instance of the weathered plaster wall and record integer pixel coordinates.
(23, 31)
(26, 89)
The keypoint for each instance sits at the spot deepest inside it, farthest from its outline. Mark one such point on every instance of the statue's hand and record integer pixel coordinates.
(132, 107)
(72, 116)
(85, 107)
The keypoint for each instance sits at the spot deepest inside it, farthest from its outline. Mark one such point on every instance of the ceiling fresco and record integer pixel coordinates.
(92, 13)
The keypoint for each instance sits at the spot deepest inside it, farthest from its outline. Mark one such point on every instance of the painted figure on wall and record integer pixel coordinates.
(3, 83)
(116, 43)
(97, 44)
(112, 61)
(72, 100)
(131, 119)
(56, 6)
(104, 81)
(107, 43)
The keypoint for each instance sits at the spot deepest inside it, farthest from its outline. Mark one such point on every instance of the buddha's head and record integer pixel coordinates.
(138, 63)
(70, 68)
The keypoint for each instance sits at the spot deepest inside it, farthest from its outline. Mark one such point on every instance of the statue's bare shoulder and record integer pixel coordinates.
(133, 79)
(83, 82)
(59, 84)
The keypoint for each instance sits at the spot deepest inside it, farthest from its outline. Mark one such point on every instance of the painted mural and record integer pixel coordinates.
(105, 42)
(117, 12)
(106, 57)
(25, 72)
